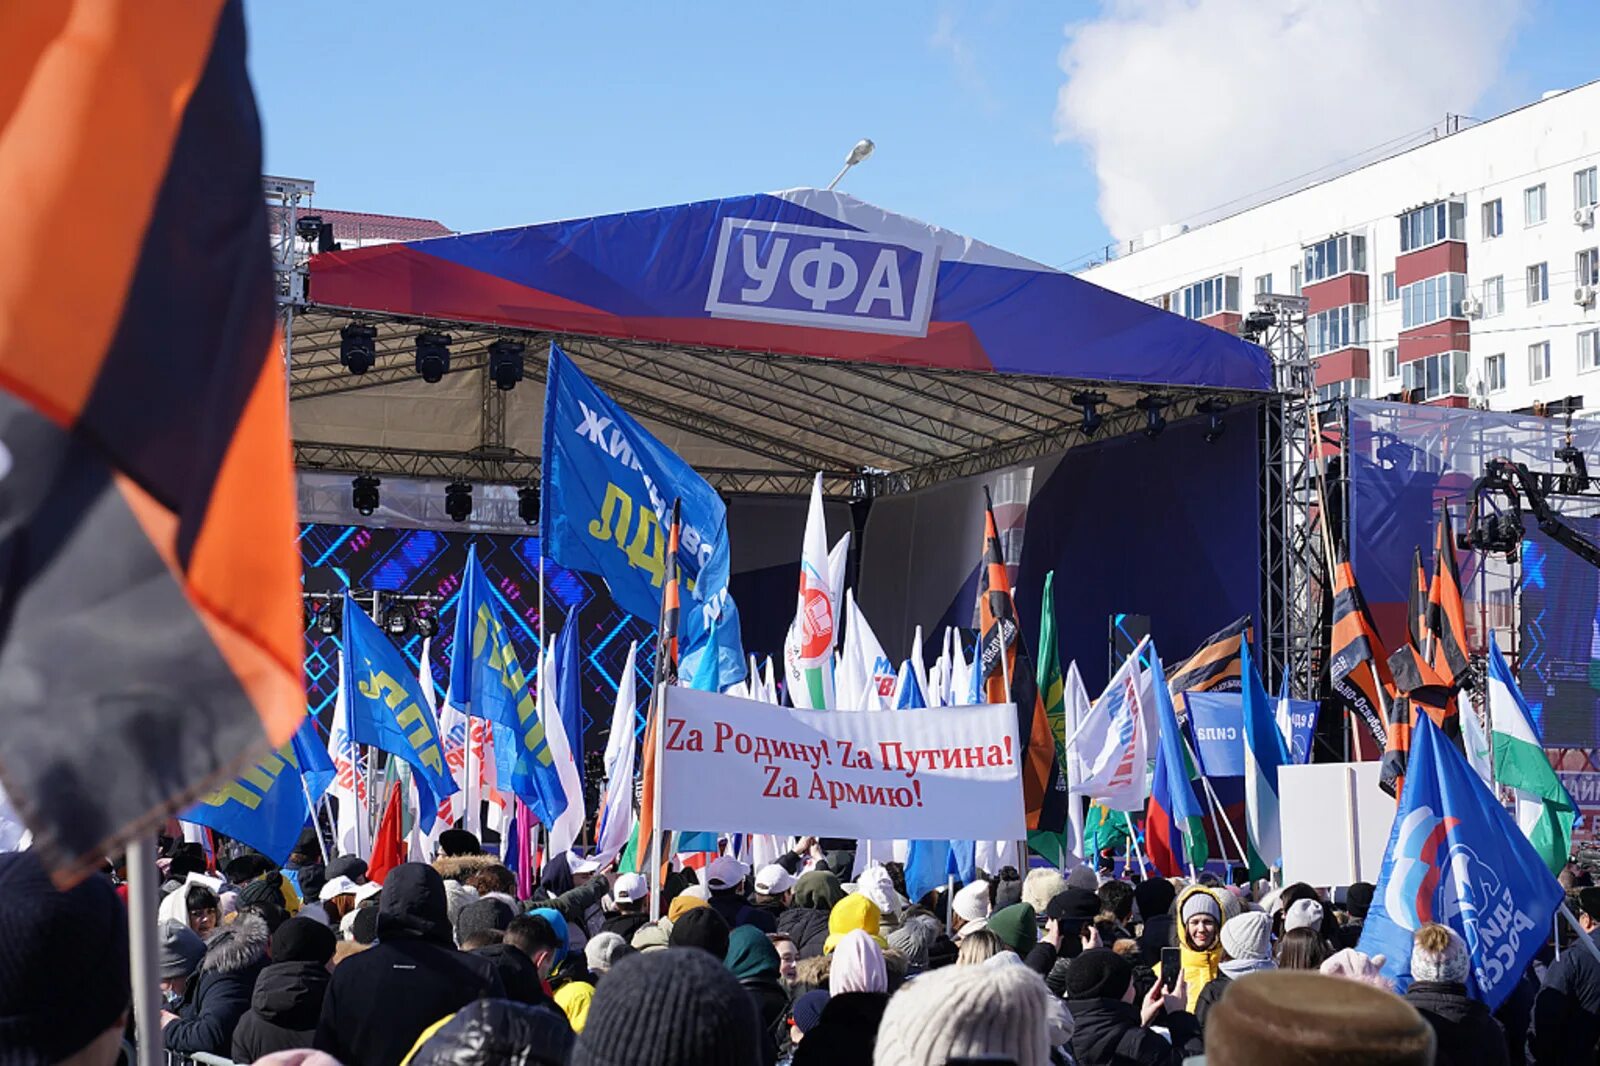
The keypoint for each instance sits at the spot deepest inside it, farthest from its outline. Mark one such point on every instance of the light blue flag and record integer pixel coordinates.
(265, 806)
(908, 692)
(568, 690)
(705, 677)
(1456, 857)
(487, 682)
(1264, 753)
(311, 751)
(387, 710)
(607, 486)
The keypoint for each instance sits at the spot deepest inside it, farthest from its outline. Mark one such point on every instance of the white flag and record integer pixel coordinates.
(808, 648)
(866, 680)
(1117, 775)
(1075, 699)
(453, 742)
(569, 823)
(616, 806)
(349, 788)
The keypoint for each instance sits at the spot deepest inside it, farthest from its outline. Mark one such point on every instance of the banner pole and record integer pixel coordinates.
(144, 949)
(1578, 929)
(665, 674)
(1211, 800)
(322, 845)
(538, 693)
(1244, 855)
(949, 901)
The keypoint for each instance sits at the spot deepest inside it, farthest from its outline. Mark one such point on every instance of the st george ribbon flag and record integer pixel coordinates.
(1456, 857)
(268, 805)
(152, 642)
(388, 710)
(487, 682)
(606, 486)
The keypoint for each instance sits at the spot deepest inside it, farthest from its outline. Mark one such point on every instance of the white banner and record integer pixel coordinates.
(739, 765)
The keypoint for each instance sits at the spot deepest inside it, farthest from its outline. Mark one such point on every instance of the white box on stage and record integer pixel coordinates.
(1336, 822)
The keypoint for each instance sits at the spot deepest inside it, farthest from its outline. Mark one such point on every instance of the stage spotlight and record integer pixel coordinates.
(1256, 324)
(505, 363)
(1212, 409)
(433, 356)
(358, 347)
(528, 504)
(1576, 478)
(458, 500)
(1154, 422)
(1088, 402)
(426, 621)
(396, 619)
(364, 493)
(328, 619)
(307, 227)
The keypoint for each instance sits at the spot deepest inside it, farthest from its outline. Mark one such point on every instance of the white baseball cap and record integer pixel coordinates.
(629, 888)
(725, 871)
(337, 886)
(774, 880)
(367, 891)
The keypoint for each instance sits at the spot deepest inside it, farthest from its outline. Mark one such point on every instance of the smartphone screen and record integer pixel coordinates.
(1171, 966)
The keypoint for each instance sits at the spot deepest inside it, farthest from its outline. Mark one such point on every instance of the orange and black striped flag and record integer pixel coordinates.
(666, 674)
(1214, 666)
(150, 643)
(1356, 665)
(1418, 688)
(1447, 617)
(1000, 641)
(1417, 610)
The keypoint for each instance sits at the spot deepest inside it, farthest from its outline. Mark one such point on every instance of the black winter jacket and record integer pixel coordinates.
(737, 911)
(381, 1000)
(1566, 1013)
(807, 928)
(219, 996)
(1466, 1033)
(494, 1031)
(625, 925)
(283, 1010)
(1106, 1032)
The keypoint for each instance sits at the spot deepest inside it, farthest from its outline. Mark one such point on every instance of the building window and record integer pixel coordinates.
(1431, 299)
(1589, 350)
(1391, 363)
(1335, 256)
(1263, 284)
(1533, 205)
(1443, 221)
(1294, 280)
(1494, 296)
(1213, 296)
(1585, 193)
(1442, 374)
(1357, 388)
(1338, 327)
(1538, 283)
(1391, 289)
(1538, 361)
(1493, 219)
(1589, 266)
(1494, 372)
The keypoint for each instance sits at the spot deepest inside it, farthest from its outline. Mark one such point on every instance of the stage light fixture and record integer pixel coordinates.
(364, 493)
(1256, 324)
(1154, 422)
(328, 621)
(1088, 403)
(397, 619)
(1212, 409)
(358, 347)
(307, 227)
(528, 504)
(1576, 478)
(505, 363)
(458, 501)
(433, 356)
(426, 621)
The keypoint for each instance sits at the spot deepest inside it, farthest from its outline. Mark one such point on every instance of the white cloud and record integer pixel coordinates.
(948, 37)
(1184, 105)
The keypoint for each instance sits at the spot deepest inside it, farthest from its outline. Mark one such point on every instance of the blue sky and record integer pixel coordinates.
(488, 113)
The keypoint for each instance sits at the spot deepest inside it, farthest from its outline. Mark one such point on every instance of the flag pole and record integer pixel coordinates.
(322, 845)
(144, 949)
(523, 825)
(1244, 856)
(663, 671)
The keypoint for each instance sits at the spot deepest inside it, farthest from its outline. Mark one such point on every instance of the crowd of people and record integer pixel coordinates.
(442, 963)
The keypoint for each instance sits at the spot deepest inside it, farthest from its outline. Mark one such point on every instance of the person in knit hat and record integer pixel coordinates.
(850, 914)
(682, 904)
(652, 937)
(1200, 917)
(1041, 886)
(914, 940)
(480, 916)
(1357, 900)
(1083, 876)
(219, 996)
(1464, 1029)
(181, 952)
(1246, 948)
(286, 1003)
(670, 1008)
(805, 1013)
(1111, 1024)
(806, 922)
(969, 910)
(701, 928)
(1304, 914)
(973, 1012)
(1153, 900)
(64, 984)
(602, 952)
(1290, 1016)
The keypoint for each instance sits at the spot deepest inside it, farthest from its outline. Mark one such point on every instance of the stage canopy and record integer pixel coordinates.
(764, 337)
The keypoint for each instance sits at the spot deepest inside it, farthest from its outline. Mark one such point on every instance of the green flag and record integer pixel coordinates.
(1545, 810)
(1051, 687)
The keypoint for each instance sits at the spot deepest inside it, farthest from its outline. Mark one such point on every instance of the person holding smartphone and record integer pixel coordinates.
(1113, 1025)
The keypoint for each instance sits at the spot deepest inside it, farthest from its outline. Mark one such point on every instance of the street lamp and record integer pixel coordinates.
(862, 149)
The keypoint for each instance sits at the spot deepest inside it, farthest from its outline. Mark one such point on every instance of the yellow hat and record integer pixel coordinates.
(681, 905)
(849, 914)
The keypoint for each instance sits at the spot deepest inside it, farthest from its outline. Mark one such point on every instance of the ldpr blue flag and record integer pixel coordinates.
(1455, 857)
(387, 710)
(311, 751)
(266, 806)
(487, 682)
(607, 486)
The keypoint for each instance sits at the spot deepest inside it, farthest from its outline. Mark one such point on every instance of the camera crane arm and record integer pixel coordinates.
(1503, 532)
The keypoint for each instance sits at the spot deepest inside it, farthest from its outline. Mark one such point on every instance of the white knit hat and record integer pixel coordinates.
(972, 902)
(974, 1011)
(1303, 914)
(1248, 936)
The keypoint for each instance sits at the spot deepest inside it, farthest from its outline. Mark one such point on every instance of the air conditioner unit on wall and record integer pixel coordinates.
(1584, 216)
(1472, 308)
(1583, 295)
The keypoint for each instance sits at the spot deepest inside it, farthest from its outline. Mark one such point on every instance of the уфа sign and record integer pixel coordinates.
(746, 766)
(821, 276)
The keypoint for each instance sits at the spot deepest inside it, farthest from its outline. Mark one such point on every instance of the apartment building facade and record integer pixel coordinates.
(1462, 272)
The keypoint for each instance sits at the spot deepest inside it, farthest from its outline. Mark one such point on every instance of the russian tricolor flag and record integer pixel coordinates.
(1174, 830)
